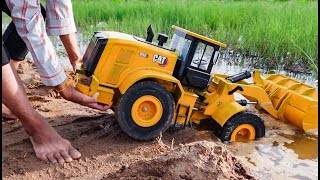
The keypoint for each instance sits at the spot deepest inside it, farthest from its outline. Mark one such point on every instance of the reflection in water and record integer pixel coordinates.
(305, 146)
(228, 65)
(270, 159)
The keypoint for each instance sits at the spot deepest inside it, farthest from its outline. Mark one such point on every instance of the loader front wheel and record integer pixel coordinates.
(145, 110)
(242, 127)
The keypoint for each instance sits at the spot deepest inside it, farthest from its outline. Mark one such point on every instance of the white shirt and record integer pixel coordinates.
(30, 25)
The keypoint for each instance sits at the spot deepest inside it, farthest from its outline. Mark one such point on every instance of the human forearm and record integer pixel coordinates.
(15, 98)
(70, 43)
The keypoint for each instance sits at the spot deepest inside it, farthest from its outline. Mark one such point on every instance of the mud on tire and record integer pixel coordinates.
(127, 101)
(239, 119)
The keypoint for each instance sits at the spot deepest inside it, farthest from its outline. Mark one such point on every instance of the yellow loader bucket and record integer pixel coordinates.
(295, 102)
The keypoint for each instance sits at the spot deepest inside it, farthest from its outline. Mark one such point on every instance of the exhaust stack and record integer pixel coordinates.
(149, 34)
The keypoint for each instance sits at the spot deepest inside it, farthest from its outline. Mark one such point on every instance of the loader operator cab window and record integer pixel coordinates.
(202, 56)
(181, 46)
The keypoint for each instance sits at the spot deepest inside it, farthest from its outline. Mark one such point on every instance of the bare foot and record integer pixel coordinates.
(50, 146)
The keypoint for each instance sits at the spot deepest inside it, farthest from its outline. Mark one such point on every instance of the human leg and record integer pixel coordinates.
(15, 48)
(47, 143)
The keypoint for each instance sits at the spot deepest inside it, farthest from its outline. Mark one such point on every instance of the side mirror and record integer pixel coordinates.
(162, 39)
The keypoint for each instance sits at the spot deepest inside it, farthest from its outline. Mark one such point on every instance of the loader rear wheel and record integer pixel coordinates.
(145, 110)
(242, 127)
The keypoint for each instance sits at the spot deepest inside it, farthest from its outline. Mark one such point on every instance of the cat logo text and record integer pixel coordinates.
(162, 60)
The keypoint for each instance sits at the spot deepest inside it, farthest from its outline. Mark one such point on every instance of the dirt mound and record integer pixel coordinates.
(197, 160)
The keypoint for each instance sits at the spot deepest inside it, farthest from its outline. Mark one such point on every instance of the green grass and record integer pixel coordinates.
(276, 30)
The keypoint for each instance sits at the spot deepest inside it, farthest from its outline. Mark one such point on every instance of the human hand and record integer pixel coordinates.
(74, 64)
(93, 103)
(68, 92)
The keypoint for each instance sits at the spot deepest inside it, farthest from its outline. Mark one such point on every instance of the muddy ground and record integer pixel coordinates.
(107, 152)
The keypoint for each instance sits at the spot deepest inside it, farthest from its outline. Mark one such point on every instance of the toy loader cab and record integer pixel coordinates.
(197, 54)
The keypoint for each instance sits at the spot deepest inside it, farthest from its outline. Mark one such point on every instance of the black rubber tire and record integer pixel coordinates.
(242, 118)
(126, 102)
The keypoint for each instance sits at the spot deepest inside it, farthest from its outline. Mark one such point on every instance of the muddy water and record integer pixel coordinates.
(285, 152)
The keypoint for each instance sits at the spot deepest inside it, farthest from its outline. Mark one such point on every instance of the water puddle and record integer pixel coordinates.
(278, 162)
(284, 153)
(305, 146)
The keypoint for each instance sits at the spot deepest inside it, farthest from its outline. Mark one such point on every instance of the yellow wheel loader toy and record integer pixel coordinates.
(153, 86)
